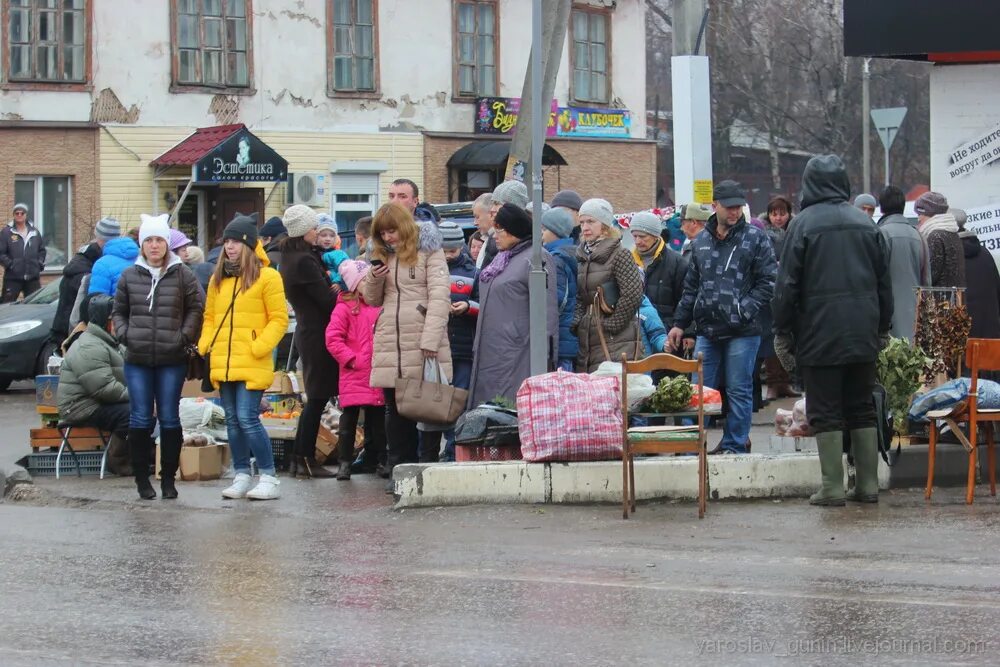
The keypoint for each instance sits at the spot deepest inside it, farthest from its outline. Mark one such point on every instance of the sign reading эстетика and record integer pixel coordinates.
(977, 153)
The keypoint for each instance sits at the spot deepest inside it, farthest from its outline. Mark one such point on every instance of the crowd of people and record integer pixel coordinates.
(420, 298)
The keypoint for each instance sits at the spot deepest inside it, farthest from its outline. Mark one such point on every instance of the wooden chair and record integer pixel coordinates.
(981, 354)
(662, 439)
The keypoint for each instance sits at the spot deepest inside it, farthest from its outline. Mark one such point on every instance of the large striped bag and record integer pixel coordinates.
(570, 417)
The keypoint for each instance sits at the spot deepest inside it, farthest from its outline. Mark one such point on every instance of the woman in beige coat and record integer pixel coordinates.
(409, 280)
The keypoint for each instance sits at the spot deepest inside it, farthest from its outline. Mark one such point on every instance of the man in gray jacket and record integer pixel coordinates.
(909, 261)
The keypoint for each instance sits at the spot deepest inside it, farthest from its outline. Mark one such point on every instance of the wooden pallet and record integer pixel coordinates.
(82, 438)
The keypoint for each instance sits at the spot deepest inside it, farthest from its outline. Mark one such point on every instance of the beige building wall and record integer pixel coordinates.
(127, 177)
(589, 169)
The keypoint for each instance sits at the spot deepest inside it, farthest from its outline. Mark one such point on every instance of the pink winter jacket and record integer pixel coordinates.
(349, 338)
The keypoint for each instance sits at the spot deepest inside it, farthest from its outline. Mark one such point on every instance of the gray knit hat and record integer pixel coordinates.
(931, 203)
(646, 222)
(865, 199)
(451, 235)
(511, 192)
(108, 228)
(300, 220)
(558, 221)
(567, 199)
(600, 210)
(961, 217)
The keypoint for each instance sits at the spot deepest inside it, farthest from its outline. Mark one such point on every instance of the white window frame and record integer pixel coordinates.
(36, 212)
(354, 183)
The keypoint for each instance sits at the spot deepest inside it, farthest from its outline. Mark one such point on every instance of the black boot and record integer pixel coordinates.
(171, 440)
(138, 444)
(344, 471)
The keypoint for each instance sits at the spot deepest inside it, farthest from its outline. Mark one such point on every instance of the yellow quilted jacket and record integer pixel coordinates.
(248, 334)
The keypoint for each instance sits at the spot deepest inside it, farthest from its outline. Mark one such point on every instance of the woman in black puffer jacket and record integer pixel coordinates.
(158, 312)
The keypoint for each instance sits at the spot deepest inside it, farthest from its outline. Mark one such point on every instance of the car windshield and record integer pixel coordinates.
(48, 294)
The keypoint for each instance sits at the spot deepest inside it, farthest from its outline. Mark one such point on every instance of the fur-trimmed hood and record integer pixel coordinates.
(429, 238)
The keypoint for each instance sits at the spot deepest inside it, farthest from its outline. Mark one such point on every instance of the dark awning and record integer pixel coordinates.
(492, 154)
(226, 153)
(949, 31)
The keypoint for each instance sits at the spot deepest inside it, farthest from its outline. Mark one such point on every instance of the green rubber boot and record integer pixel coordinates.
(865, 445)
(831, 465)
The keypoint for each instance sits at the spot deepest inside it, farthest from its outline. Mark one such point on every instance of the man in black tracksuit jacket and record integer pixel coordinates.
(834, 295)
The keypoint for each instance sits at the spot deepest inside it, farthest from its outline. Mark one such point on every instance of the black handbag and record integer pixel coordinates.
(206, 359)
(607, 297)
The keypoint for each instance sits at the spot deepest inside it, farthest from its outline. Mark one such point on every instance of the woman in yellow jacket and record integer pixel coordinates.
(245, 317)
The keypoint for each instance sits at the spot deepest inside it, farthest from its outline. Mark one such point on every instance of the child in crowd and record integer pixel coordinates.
(362, 234)
(328, 241)
(350, 340)
(462, 320)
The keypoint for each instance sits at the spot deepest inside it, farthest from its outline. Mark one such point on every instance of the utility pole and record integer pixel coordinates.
(866, 158)
(692, 104)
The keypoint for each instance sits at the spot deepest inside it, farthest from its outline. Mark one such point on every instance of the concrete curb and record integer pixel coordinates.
(513, 482)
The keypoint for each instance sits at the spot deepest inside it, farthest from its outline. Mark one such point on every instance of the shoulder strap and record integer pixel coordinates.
(232, 302)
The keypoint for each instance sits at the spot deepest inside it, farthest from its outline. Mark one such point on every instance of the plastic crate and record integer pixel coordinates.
(499, 443)
(282, 452)
(43, 464)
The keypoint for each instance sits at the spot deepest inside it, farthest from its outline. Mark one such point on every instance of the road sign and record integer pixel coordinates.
(887, 122)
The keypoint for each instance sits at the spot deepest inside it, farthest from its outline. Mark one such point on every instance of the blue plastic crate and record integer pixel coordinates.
(43, 464)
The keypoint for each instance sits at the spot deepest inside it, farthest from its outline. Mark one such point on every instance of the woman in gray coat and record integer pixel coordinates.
(501, 354)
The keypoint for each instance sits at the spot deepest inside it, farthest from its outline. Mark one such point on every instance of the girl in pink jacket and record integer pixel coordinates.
(349, 338)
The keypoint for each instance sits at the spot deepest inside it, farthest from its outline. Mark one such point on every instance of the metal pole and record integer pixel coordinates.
(886, 165)
(537, 291)
(866, 165)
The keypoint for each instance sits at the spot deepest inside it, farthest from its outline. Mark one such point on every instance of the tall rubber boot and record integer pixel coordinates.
(171, 440)
(831, 465)
(138, 445)
(865, 444)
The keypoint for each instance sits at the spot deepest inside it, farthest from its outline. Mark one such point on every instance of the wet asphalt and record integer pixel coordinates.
(330, 574)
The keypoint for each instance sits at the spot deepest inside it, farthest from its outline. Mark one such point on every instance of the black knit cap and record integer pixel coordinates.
(514, 220)
(243, 228)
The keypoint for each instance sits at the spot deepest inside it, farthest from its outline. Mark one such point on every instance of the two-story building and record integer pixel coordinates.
(116, 108)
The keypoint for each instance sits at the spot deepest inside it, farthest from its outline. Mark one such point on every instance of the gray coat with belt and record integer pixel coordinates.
(909, 267)
(501, 353)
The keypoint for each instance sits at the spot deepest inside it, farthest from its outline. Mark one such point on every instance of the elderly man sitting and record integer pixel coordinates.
(92, 388)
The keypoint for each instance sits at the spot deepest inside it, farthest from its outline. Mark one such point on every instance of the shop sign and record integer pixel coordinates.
(498, 115)
(985, 222)
(970, 157)
(242, 158)
(586, 122)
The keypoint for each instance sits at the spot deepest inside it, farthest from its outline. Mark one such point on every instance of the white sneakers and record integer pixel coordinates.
(266, 489)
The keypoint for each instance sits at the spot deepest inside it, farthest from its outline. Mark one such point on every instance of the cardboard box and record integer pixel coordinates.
(46, 391)
(199, 464)
(285, 383)
(326, 445)
(192, 389)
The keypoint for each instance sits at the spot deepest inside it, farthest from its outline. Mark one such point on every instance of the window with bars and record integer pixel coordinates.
(591, 59)
(476, 46)
(212, 43)
(47, 40)
(354, 45)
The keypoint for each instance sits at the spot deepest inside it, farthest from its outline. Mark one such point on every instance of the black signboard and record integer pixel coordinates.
(241, 158)
(915, 28)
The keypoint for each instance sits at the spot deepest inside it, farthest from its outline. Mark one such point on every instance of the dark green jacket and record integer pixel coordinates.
(92, 375)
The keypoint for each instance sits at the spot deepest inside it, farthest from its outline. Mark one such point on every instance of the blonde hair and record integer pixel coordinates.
(612, 232)
(250, 266)
(393, 217)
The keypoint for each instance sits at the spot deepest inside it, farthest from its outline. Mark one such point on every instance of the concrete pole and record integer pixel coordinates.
(866, 159)
(537, 288)
(692, 105)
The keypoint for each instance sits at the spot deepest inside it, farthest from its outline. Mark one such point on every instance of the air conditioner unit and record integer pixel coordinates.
(309, 188)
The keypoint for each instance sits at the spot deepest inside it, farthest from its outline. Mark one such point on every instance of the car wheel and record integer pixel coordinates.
(42, 365)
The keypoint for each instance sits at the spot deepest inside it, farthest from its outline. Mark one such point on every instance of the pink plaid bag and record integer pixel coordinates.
(570, 417)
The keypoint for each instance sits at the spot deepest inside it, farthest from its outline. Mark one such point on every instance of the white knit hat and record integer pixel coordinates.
(600, 210)
(299, 220)
(511, 192)
(154, 225)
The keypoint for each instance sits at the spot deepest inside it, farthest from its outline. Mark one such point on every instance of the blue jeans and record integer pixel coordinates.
(246, 434)
(462, 370)
(161, 384)
(566, 364)
(737, 357)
